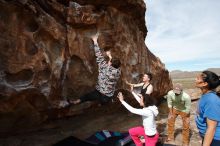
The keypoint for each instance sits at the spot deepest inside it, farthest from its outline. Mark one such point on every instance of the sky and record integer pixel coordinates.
(184, 34)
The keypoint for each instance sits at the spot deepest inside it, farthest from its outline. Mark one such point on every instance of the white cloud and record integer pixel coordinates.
(183, 30)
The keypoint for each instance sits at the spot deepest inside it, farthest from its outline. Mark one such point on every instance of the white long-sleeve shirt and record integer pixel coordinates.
(148, 116)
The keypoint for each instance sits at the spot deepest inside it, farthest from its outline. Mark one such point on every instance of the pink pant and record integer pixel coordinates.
(136, 132)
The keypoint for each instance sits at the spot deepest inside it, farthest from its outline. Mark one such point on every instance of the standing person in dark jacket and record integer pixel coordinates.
(109, 74)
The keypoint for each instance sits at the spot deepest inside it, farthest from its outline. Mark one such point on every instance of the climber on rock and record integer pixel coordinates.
(108, 75)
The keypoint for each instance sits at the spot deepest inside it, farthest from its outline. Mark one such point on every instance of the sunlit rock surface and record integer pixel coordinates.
(46, 54)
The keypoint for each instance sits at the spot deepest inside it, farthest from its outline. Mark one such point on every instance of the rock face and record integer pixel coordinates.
(46, 53)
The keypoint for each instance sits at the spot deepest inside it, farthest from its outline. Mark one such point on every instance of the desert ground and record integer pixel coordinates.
(120, 119)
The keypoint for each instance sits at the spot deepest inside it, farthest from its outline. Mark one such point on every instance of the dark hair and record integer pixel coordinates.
(212, 79)
(107, 58)
(148, 100)
(116, 62)
(149, 75)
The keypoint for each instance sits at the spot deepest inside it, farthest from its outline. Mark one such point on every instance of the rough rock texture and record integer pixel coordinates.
(46, 54)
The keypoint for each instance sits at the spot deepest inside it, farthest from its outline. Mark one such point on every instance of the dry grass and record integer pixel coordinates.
(188, 83)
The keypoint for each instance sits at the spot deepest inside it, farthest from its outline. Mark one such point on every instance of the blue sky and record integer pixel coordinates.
(184, 34)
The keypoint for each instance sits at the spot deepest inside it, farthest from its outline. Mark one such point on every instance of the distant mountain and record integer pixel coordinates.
(178, 74)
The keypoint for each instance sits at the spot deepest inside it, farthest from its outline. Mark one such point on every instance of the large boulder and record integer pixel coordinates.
(47, 55)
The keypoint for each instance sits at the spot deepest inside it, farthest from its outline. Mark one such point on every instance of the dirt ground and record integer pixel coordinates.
(84, 125)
